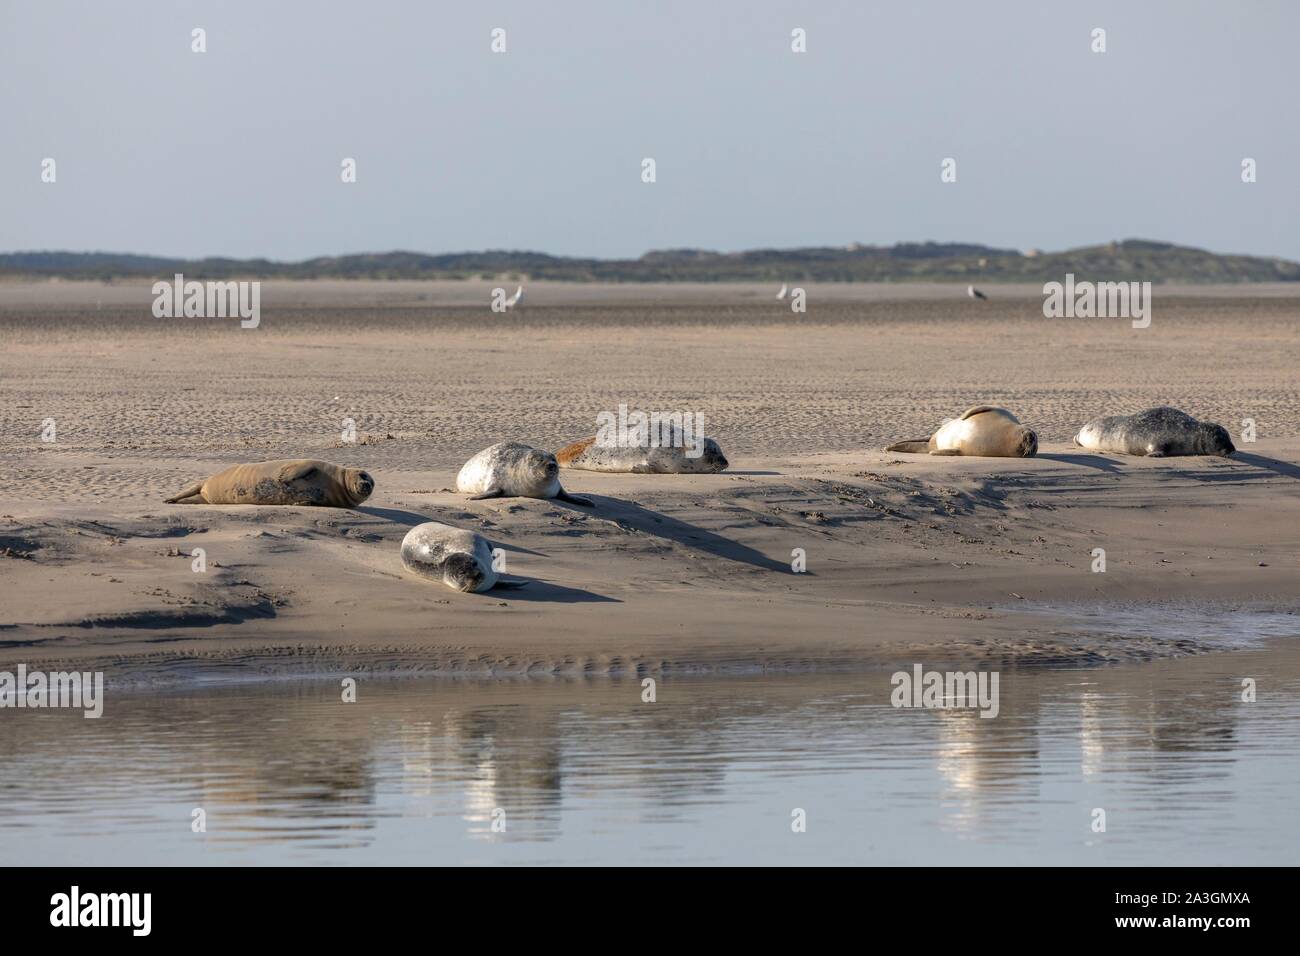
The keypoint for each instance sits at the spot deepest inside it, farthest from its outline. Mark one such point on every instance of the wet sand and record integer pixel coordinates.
(668, 573)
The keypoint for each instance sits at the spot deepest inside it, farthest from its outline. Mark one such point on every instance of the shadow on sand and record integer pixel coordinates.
(1271, 464)
(534, 589)
(409, 518)
(661, 526)
(1088, 461)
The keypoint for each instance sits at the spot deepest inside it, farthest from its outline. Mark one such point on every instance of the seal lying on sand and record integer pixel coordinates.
(1155, 433)
(984, 431)
(670, 459)
(512, 470)
(298, 481)
(462, 560)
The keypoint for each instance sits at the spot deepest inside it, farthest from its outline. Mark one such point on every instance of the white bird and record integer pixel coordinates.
(515, 299)
(975, 293)
(781, 294)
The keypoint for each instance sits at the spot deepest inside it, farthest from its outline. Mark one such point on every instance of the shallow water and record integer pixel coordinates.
(1195, 626)
(584, 771)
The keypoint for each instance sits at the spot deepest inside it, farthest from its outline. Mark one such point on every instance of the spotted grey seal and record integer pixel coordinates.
(461, 559)
(673, 458)
(511, 469)
(984, 431)
(298, 481)
(1155, 433)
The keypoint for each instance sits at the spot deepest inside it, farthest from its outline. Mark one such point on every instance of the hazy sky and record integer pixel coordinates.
(237, 151)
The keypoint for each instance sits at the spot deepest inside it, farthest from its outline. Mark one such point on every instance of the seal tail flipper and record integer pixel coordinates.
(490, 493)
(193, 490)
(915, 447)
(570, 452)
(574, 499)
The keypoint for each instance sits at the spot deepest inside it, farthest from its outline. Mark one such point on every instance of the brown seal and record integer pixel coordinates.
(298, 481)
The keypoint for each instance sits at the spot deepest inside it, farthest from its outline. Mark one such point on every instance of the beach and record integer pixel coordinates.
(906, 556)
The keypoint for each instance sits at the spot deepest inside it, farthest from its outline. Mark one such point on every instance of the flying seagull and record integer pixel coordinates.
(975, 293)
(781, 294)
(515, 299)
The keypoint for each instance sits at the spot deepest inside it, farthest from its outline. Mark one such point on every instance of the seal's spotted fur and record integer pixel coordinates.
(670, 459)
(1155, 433)
(513, 470)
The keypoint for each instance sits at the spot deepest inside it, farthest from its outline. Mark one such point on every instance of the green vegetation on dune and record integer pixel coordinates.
(1131, 260)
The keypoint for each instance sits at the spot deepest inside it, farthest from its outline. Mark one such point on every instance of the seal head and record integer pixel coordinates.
(359, 484)
(1214, 439)
(462, 573)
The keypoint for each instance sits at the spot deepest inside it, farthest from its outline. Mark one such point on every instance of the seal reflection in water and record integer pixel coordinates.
(513, 470)
(983, 431)
(1155, 433)
(462, 560)
(299, 481)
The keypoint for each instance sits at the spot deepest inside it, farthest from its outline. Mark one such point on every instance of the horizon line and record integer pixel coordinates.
(1027, 252)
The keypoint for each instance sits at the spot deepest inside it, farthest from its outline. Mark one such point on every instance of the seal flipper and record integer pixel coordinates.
(293, 474)
(944, 451)
(574, 499)
(190, 492)
(918, 446)
(509, 585)
(493, 492)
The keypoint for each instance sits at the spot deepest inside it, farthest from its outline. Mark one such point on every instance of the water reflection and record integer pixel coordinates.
(583, 770)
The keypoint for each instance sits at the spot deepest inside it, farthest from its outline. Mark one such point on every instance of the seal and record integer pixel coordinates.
(462, 560)
(1155, 433)
(671, 459)
(983, 431)
(298, 481)
(513, 470)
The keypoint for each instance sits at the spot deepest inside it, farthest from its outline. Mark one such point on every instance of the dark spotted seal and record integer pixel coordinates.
(1156, 433)
(676, 458)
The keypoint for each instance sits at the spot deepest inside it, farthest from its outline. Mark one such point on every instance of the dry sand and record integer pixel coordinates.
(908, 557)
